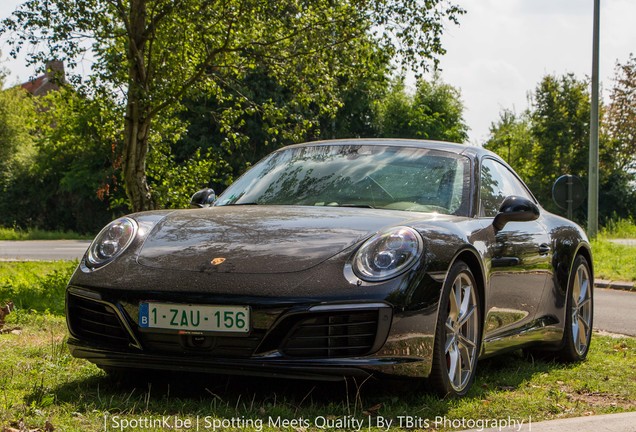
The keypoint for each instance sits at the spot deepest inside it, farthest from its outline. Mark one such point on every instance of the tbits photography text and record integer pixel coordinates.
(347, 422)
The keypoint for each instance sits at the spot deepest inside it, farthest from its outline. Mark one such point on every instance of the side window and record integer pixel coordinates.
(497, 183)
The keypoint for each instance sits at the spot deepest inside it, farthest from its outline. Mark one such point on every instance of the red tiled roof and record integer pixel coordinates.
(34, 85)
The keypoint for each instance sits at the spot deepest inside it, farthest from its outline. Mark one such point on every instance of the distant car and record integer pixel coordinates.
(339, 258)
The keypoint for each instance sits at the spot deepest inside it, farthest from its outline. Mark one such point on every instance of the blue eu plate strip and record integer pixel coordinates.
(143, 315)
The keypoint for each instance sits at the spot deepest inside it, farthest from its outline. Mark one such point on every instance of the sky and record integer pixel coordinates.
(501, 50)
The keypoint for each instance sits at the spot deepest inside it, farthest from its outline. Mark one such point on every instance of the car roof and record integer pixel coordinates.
(471, 151)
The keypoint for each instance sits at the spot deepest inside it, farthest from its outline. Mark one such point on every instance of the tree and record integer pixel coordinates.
(620, 120)
(17, 123)
(156, 52)
(394, 112)
(618, 158)
(247, 135)
(68, 181)
(560, 125)
(439, 111)
(434, 112)
(511, 137)
(552, 138)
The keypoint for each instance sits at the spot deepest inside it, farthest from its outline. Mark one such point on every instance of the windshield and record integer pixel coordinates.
(396, 178)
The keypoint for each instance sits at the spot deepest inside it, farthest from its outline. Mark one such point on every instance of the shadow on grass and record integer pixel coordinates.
(231, 395)
(158, 393)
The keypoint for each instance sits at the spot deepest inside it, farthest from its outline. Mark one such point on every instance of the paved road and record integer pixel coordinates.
(614, 311)
(42, 250)
(626, 242)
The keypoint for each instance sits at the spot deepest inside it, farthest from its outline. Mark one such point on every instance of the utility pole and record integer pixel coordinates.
(592, 197)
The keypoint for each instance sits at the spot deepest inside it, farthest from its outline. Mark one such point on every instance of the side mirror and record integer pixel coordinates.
(515, 209)
(203, 198)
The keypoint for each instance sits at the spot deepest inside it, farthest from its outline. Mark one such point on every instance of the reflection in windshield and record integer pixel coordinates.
(397, 178)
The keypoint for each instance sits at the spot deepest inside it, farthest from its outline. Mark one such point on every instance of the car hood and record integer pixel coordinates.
(261, 239)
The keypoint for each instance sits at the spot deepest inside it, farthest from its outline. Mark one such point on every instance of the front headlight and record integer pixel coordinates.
(111, 241)
(387, 254)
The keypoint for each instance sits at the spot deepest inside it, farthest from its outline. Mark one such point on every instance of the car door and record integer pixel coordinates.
(520, 256)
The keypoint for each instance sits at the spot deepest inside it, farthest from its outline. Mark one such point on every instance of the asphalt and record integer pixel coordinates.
(614, 311)
(42, 250)
(626, 242)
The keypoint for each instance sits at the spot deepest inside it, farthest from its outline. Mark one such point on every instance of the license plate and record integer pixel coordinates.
(197, 318)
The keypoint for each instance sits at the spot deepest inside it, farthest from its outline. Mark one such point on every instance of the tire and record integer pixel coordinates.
(457, 334)
(579, 313)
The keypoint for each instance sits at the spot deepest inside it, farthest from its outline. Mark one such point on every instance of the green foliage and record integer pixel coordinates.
(439, 111)
(37, 234)
(240, 131)
(17, 126)
(511, 137)
(621, 228)
(359, 95)
(394, 112)
(161, 51)
(72, 169)
(560, 125)
(613, 261)
(551, 139)
(434, 112)
(174, 184)
(620, 122)
(35, 286)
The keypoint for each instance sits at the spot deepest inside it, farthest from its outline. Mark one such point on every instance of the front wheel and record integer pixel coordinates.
(457, 335)
(579, 313)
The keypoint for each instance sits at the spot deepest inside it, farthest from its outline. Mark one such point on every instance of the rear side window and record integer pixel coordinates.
(497, 183)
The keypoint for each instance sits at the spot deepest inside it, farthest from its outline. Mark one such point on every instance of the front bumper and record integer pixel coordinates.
(355, 339)
(321, 370)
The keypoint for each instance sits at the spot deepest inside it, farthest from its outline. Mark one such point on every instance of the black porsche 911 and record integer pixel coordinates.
(339, 258)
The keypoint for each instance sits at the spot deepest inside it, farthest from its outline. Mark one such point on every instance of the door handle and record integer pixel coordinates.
(505, 261)
(544, 249)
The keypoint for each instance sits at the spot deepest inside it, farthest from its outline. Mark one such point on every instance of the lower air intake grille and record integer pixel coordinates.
(337, 334)
(96, 322)
(197, 345)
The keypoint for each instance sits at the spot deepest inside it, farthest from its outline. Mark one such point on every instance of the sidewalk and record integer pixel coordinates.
(623, 422)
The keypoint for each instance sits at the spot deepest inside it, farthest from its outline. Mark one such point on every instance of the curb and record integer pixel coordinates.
(617, 285)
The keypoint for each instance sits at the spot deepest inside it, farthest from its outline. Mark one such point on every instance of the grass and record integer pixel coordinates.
(40, 381)
(35, 285)
(37, 234)
(622, 228)
(611, 260)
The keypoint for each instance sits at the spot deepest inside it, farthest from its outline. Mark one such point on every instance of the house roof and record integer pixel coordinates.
(51, 80)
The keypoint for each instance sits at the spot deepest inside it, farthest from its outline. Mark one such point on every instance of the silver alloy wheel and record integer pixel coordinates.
(581, 310)
(461, 332)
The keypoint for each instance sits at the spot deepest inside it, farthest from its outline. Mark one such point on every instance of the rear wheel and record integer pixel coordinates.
(457, 335)
(579, 313)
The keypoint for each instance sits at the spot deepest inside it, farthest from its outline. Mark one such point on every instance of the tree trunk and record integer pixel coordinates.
(134, 161)
(137, 122)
